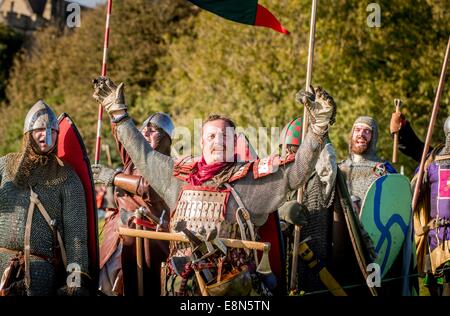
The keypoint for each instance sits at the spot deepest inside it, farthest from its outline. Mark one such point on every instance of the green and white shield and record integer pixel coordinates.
(386, 216)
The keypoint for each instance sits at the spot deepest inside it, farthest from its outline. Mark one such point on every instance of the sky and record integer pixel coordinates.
(89, 3)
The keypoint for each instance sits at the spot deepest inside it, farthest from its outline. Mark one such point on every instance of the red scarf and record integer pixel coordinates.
(204, 172)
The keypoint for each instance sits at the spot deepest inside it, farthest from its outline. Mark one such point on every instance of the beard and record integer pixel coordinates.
(360, 149)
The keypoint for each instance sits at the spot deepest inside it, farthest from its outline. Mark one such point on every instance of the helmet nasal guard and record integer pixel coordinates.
(41, 116)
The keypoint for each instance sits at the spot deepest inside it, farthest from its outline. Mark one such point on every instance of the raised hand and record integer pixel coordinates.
(320, 107)
(110, 96)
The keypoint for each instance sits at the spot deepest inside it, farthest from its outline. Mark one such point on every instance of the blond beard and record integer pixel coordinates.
(359, 150)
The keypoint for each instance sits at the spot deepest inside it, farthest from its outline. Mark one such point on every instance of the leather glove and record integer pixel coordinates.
(397, 121)
(103, 175)
(293, 213)
(110, 96)
(320, 107)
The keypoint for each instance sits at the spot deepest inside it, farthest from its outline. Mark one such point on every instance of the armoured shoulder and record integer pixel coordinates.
(184, 166)
(241, 171)
(269, 165)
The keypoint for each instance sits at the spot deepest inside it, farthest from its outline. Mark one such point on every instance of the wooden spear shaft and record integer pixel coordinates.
(312, 33)
(437, 100)
(139, 261)
(231, 243)
(104, 67)
(397, 104)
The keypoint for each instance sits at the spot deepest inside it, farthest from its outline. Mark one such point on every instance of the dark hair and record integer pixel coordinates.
(215, 117)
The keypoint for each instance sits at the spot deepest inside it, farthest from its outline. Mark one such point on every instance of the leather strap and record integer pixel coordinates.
(34, 200)
(442, 157)
(49, 222)
(27, 249)
(246, 215)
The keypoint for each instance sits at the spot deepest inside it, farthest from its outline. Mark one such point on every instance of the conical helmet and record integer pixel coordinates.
(292, 133)
(447, 126)
(162, 120)
(41, 116)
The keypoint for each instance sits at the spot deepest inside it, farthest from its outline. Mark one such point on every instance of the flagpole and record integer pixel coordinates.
(312, 33)
(104, 66)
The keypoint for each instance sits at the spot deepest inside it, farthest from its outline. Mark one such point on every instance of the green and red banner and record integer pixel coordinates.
(242, 11)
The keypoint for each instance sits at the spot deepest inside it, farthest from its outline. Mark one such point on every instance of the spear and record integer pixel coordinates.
(139, 259)
(312, 33)
(397, 103)
(104, 64)
(437, 100)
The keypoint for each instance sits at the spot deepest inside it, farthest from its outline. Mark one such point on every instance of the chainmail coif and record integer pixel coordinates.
(360, 170)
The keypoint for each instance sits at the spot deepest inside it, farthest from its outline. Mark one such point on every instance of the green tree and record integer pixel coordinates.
(59, 68)
(10, 43)
(252, 74)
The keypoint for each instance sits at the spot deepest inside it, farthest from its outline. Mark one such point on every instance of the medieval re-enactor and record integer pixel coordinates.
(42, 214)
(131, 191)
(432, 213)
(313, 214)
(214, 195)
(408, 142)
(324, 226)
(361, 169)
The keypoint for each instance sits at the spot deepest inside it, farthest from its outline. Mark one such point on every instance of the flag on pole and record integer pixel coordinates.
(242, 11)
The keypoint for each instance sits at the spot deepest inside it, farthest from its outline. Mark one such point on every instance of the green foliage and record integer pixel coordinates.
(10, 43)
(192, 65)
(60, 67)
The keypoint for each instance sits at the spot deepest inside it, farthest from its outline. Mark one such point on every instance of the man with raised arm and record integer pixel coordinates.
(214, 195)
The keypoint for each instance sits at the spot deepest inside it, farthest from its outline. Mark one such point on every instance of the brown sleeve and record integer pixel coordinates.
(150, 163)
(127, 182)
(120, 148)
(133, 184)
